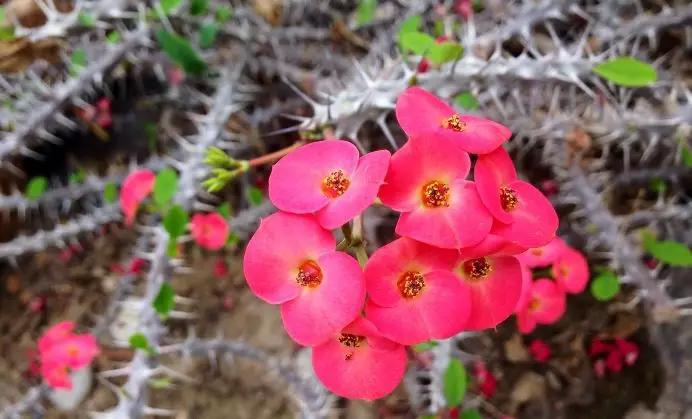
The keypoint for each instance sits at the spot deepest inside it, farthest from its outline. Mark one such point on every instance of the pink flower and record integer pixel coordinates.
(545, 305)
(463, 8)
(329, 179)
(495, 283)
(523, 215)
(291, 260)
(358, 363)
(56, 375)
(420, 113)
(136, 265)
(540, 351)
(426, 183)
(487, 383)
(210, 231)
(599, 347)
(56, 333)
(137, 186)
(571, 271)
(526, 283)
(599, 368)
(413, 295)
(537, 257)
(75, 351)
(629, 350)
(613, 361)
(492, 245)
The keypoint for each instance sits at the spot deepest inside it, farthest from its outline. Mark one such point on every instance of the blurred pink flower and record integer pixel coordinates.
(210, 231)
(540, 351)
(541, 256)
(545, 305)
(136, 187)
(60, 350)
(571, 271)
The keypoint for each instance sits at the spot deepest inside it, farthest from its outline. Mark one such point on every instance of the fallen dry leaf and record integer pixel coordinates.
(17, 54)
(530, 386)
(515, 351)
(270, 10)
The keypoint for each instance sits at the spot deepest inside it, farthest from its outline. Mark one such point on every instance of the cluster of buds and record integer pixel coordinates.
(453, 268)
(61, 351)
(612, 356)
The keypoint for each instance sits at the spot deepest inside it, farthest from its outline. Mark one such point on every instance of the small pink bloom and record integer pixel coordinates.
(599, 368)
(117, 268)
(210, 231)
(545, 305)
(549, 187)
(629, 350)
(56, 333)
(65, 255)
(358, 363)
(423, 66)
(291, 260)
(537, 257)
(523, 215)
(104, 117)
(613, 361)
(487, 383)
(136, 265)
(137, 186)
(426, 183)
(651, 263)
(220, 268)
(56, 375)
(176, 76)
(75, 351)
(571, 271)
(413, 281)
(463, 8)
(495, 283)
(420, 114)
(329, 179)
(599, 347)
(540, 351)
(37, 304)
(493, 245)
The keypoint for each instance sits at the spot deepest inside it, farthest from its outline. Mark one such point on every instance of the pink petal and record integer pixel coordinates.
(440, 311)
(526, 285)
(465, 222)
(543, 255)
(417, 163)
(493, 171)
(318, 313)
(76, 351)
(420, 112)
(136, 186)
(480, 136)
(370, 371)
(209, 231)
(280, 245)
(361, 193)
(295, 182)
(387, 265)
(494, 297)
(571, 271)
(534, 219)
(492, 245)
(526, 322)
(56, 333)
(551, 301)
(56, 376)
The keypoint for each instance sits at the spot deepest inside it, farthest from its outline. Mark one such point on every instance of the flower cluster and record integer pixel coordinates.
(61, 350)
(543, 299)
(612, 355)
(452, 269)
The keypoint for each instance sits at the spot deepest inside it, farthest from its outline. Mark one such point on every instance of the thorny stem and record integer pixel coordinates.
(272, 157)
(353, 239)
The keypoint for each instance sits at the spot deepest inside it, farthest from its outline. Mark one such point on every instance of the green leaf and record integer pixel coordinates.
(223, 13)
(77, 60)
(605, 286)
(454, 383)
(255, 195)
(160, 383)
(86, 19)
(424, 346)
(627, 71)
(410, 24)
(175, 222)
(151, 132)
(163, 303)
(686, 156)
(416, 42)
(467, 101)
(36, 187)
(470, 414)
(169, 5)
(207, 35)
(165, 186)
(668, 251)
(180, 52)
(113, 37)
(78, 176)
(365, 12)
(232, 240)
(439, 28)
(224, 209)
(110, 193)
(444, 52)
(139, 341)
(198, 7)
(658, 185)
(6, 33)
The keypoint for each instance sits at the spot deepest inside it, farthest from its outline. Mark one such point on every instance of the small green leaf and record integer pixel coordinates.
(160, 383)
(605, 286)
(470, 414)
(658, 185)
(627, 71)
(165, 186)
(78, 60)
(207, 35)
(255, 195)
(175, 222)
(151, 132)
(86, 19)
(113, 37)
(172, 248)
(424, 346)
(668, 251)
(232, 240)
(416, 42)
(180, 52)
(454, 383)
(78, 176)
(686, 156)
(169, 6)
(6, 28)
(365, 12)
(444, 52)
(36, 187)
(410, 24)
(467, 101)
(110, 193)
(139, 341)
(198, 7)
(224, 209)
(439, 28)
(163, 303)
(223, 13)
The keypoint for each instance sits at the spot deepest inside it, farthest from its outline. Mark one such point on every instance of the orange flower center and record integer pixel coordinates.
(350, 340)
(508, 198)
(435, 194)
(454, 123)
(562, 270)
(534, 304)
(335, 184)
(537, 251)
(411, 284)
(309, 274)
(477, 269)
(72, 350)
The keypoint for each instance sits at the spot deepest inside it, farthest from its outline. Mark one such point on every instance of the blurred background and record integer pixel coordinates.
(596, 93)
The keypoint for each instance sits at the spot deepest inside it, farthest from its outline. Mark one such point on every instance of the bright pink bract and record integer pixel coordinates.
(210, 231)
